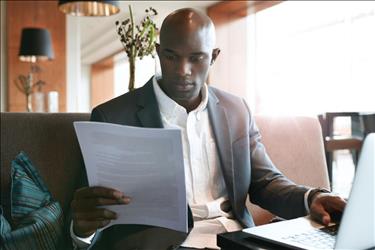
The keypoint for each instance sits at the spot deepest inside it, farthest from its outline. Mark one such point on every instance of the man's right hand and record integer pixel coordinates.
(87, 216)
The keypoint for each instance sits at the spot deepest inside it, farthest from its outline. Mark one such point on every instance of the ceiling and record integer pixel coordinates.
(98, 34)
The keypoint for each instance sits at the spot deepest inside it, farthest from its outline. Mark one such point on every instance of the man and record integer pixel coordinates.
(223, 157)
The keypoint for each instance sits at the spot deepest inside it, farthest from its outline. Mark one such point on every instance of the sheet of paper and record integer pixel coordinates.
(144, 163)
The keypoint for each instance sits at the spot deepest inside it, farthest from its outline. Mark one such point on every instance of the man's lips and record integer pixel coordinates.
(184, 86)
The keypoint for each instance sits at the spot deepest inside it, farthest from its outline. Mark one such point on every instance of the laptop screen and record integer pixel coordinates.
(357, 230)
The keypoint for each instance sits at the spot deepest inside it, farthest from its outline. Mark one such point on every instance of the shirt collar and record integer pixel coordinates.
(169, 107)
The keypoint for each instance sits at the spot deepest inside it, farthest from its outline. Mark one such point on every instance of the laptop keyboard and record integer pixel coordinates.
(323, 238)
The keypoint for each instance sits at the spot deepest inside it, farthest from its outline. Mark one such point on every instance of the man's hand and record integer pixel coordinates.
(324, 205)
(87, 216)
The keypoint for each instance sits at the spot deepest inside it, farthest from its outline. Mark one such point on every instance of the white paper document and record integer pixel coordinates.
(146, 164)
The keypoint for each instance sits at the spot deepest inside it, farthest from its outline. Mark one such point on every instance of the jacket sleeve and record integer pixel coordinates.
(269, 188)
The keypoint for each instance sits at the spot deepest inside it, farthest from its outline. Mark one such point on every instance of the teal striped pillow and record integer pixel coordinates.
(4, 224)
(37, 218)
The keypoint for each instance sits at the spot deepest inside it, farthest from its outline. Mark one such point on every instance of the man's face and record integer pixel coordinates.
(185, 58)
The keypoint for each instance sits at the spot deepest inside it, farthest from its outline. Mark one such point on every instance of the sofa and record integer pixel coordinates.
(294, 144)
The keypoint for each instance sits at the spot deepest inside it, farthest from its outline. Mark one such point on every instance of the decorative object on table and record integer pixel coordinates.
(38, 101)
(25, 84)
(89, 8)
(35, 45)
(137, 40)
(53, 101)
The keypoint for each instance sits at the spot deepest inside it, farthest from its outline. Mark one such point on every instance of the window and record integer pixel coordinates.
(144, 70)
(314, 57)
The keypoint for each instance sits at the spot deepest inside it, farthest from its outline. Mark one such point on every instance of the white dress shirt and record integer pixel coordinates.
(205, 187)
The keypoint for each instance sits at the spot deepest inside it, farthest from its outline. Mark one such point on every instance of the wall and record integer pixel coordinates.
(43, 14)
(229, 71)
(102, 79)
(73, 63)
(84, 88)
(3, 65)
(234, 70)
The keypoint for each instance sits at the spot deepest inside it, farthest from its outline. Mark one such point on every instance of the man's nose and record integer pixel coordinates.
(183, 67)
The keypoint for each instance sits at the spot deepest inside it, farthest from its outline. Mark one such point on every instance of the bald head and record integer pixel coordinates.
(186, 52)
(185, 22)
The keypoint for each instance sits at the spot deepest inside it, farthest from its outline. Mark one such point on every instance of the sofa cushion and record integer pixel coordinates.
(4, 224)
(37, 219)
(28, 191)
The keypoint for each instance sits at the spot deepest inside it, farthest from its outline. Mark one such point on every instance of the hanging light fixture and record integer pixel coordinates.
(35, 45)
(89, 8)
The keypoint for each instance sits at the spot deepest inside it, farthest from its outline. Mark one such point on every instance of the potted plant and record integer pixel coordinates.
(137, 40)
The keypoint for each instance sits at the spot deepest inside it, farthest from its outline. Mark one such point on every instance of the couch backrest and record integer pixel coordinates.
(49, 140)
(295, 145)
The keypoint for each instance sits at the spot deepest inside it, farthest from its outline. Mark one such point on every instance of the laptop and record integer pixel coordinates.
(357, 227)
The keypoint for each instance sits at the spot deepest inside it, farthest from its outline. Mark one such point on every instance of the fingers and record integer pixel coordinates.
(337, 203)
(225, 206)
(326, 205)
(110, 193)
(100, 213)
(89, 203)
(88, 215)
(98, 196)
(332, 203)
(321, 215)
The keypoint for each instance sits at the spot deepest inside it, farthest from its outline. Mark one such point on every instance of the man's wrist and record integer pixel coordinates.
(313, 193)
(80, 242)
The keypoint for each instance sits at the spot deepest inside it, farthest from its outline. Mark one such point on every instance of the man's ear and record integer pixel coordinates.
(157, 48)
(215, 54)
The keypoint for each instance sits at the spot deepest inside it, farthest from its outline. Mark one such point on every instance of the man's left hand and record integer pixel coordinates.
(324, 205)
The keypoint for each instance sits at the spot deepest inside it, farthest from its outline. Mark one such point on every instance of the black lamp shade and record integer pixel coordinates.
(89, 8)
(35, 45)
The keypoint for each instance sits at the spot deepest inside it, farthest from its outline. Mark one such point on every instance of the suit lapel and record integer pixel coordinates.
(149, 114)
(220, 126)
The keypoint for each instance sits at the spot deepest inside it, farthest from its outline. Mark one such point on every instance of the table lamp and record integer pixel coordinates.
(35, 45)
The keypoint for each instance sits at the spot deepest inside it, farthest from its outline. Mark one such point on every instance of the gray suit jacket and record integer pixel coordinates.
(245, 164)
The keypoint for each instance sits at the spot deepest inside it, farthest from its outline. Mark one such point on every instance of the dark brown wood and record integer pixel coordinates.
(333, 143)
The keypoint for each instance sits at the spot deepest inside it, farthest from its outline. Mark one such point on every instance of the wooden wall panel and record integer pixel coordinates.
(102, 81)
(230, 69)
(227, 11)
(42, 14)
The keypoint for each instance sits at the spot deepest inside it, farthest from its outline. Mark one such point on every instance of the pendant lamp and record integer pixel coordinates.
(89, 8)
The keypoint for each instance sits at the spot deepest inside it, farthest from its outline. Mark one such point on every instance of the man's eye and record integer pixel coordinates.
(196, 58)
(170, 57)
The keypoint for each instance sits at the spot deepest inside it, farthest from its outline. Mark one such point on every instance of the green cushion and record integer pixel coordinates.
(37, 218)
(4, 224)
